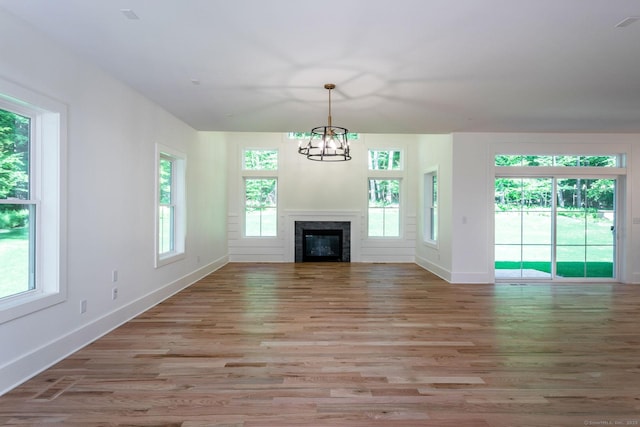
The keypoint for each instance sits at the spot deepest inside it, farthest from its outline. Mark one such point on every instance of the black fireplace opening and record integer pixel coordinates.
(322, 241)
(321, 245)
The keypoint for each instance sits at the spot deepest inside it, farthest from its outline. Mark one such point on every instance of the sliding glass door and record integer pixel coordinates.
(548, 227)
(585, 227)
(523, 227)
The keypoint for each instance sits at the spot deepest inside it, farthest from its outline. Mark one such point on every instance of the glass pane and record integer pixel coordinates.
(269, 222)
(508, 260)
(392, 221)
(252, 222)
(508, 160)
(600, 261)
(14, 155)
(570, 226)
(261, 207)
(600, 229)
(508, 227)
(384, 192)
(537, 161)
(165, 232)
(376, 222)
(434, 224)
(536, 228)
(568, 161)
(384, 204)
(166, 179)
(17, 266)
(598, 161)
(508, 194)
(570, 261)
(600, 195)
(536, 260)
(306, 135)
(565, 160)
(261, 159)
(260, 192)
(384, 160)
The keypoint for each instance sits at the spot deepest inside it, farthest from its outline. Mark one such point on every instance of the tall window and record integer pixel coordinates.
(385, 173)
(32, 182)
(384, 208)
(17, 206)
(261, 207)
(260, 169)
(170, 233)
(431, 207)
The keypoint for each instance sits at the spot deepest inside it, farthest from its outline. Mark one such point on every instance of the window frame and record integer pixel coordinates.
(47, 183)
(258, 173)
(244, 198)
(392, 170)
(431, 214)
(400, 209)
(178, 203)
(244, 154)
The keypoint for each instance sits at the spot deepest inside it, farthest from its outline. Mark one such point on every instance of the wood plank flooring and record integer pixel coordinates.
(352, 344)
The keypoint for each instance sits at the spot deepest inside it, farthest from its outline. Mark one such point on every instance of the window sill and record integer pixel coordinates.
(169, 258)
(27, 303)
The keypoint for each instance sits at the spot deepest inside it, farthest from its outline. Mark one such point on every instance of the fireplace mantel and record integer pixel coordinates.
(291, 216)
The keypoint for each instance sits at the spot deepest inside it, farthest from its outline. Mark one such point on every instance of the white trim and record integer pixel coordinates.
(428, 205)
(48, 175)
(180, 230)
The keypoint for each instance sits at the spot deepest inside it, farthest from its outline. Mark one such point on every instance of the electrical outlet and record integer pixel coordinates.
(83, 306)
(114, 294)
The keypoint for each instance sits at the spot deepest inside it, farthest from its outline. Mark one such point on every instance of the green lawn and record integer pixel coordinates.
(14, 261)
(584, 243)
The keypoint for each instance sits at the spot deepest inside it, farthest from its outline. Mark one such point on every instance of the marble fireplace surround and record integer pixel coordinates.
(353, 217)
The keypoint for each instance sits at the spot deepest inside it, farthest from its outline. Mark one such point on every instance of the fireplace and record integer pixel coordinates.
(321, 245)
(322, 241)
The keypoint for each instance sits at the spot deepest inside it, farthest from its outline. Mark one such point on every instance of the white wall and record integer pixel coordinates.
(435, 152)
(472, 225)
(111, 135)
(306, 188)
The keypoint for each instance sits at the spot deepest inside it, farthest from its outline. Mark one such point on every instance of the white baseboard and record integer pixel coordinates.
(444, 274)
(20, 370)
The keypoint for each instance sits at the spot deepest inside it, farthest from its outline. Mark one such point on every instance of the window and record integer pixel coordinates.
(351, 136)
(260, 192)
(384, 208)
(260, 160)
(431, 207)
(170, 218)
(607, 161)
(32, 272)
(555, 216)
(261, 207)
(384, 160)
(17, 206)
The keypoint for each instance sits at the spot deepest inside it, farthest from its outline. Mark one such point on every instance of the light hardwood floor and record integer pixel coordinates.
(351, 344)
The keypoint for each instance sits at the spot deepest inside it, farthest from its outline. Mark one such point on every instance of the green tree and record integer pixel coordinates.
(14, 155)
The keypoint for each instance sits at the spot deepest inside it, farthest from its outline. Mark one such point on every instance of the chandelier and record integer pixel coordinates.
(327, 143)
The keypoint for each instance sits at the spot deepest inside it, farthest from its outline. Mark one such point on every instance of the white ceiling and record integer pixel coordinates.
(400, 66)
